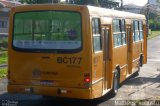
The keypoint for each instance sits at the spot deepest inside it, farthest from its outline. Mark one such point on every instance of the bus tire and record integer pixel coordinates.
(138, 66)
(138, 69)
(141, 60)
(136, 73)
(115, 83)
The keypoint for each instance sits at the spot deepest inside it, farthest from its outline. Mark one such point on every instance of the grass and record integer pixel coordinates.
(3, 40)
(3, 57)
(3, 50)
(3, 72)
(154, 34)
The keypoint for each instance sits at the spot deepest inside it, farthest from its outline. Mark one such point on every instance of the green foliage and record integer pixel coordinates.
(3, 72)
(28, 1)
(3, 57)
(87, 2)
(152, 15)
(3, 44)
(3, 49)
(95, 2)
(3, 40)
(154, 25)
(38, 1)
(80, 2)
(153, 34)
(47, 1)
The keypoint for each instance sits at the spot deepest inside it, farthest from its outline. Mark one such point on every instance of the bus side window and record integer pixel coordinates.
(119, 32)
(97, 42)
(116, 33)
(136, 33)
(141, 29)
(123, 27)
(133, 34)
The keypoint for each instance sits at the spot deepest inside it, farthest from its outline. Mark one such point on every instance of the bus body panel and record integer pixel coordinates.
(40, 70)
(137, 50)
(51, 91)
(145, 43)
(50, 69)
(129, 47)
(120, 59)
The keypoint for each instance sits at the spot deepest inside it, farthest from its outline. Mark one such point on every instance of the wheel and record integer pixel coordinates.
(138, 66)
(138, 69)
(115, 83)
(141, 60)
(136, 73)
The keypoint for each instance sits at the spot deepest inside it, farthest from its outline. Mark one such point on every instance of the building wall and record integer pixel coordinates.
(4, 14)
(4, 24)
(4, 21)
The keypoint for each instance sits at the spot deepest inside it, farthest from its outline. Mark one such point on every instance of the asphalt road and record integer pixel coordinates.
(145, 87)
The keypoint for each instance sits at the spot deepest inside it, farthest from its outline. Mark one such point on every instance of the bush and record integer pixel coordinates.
(154, 25)
(3, 72)
(3, 43)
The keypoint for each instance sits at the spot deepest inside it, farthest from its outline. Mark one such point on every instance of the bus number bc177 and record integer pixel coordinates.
(69, 60)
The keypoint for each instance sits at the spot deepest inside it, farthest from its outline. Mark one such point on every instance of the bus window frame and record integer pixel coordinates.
(141, 31)
(93, 35)
(67, 51)
(121, 32)
(133, 26)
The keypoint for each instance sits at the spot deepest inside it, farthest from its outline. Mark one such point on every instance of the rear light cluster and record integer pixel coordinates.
(87, 80)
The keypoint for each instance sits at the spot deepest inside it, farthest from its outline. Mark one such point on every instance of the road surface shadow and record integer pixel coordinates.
(138, 80)
(34, 100)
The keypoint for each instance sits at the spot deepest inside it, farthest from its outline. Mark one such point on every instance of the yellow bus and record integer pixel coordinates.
(73, 51)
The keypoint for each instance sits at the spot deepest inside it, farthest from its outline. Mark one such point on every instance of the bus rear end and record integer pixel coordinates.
(48, 52)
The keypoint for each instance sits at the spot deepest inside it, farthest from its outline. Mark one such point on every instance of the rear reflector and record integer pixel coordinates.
(27, 89)
(63, 91)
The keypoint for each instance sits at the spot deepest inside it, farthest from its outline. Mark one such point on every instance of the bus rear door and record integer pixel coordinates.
(129, 45)
(106, 42)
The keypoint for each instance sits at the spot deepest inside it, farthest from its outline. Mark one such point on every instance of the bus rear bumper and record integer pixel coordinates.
(51, 91)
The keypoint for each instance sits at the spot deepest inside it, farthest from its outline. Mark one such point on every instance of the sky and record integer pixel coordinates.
(136, 2)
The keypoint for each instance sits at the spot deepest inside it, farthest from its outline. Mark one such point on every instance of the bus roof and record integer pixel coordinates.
(113, 13)
(93, 11)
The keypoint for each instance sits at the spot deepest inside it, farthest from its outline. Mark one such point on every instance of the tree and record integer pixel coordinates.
(87, 2)
(114, 4)
(94, 2)
(102, 3)
(39, 1)
(28, 1)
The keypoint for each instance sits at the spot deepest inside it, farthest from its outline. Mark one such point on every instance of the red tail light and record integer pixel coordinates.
(87, 80)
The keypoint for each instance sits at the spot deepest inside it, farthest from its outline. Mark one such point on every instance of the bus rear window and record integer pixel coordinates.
(47, 30)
